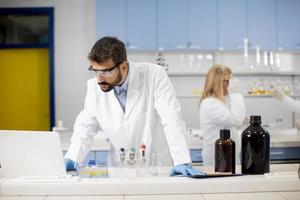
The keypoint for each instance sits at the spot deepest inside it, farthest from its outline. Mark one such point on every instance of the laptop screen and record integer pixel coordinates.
(30, 153)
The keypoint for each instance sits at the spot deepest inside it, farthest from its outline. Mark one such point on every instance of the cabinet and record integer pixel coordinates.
(172, 24)
(232, 15)
(202, 22)
(110, 18)
(285, 154)
(288, 24)
(262, 24)
(132, 21)
(141, 24)
(189, 24)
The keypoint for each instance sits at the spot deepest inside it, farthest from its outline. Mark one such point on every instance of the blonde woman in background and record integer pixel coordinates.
(221, 107)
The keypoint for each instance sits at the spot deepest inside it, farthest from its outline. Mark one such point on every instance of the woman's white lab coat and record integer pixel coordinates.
(215, 115)
(152, 116)
(291, 104)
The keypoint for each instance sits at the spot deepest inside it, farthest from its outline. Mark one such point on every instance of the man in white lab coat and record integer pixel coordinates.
(132, 104)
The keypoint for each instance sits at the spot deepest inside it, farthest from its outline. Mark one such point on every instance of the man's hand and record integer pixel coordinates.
(185, 170)
(70, 165)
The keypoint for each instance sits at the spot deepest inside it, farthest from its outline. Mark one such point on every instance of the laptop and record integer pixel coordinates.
(30, 153)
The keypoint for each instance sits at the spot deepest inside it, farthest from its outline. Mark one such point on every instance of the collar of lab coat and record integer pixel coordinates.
(124, 86)
(134, 85)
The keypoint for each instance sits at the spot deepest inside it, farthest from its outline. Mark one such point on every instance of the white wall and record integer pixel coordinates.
(74, 35)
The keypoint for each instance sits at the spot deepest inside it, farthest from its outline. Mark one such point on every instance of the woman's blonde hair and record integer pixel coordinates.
(214, 82)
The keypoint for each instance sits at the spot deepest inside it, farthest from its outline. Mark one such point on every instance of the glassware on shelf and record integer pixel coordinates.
(286, 89)
(277, 61)
(258, 64)
(261, 87)
(207, 62)
(246, 64)
(265, 61)
(253, 88)
(160, 60)
(200, 63)
(268, 87)
(191, 65)
(182, 63)
(271, 61)
(197, 92)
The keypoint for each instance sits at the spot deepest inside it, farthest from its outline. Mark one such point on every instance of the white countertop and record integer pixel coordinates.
(283, 178)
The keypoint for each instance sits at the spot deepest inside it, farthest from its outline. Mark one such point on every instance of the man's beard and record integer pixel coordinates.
(106, 87)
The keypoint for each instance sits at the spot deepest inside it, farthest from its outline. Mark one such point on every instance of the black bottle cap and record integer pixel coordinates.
(224, 133)
(255, 119)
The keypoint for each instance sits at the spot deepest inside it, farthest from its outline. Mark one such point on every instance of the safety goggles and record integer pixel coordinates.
(104, 72)
(226, 82)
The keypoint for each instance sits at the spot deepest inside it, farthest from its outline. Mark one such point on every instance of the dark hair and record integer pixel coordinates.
(106, 48)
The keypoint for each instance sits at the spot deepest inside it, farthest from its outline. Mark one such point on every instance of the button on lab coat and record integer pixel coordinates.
(152, 116)
(216, 115)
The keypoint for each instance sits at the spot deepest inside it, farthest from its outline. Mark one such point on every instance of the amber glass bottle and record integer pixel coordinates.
(255, 148)
(225, 153)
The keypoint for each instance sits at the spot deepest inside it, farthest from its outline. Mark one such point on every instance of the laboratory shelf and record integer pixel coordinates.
(279, 73)
(246, 96)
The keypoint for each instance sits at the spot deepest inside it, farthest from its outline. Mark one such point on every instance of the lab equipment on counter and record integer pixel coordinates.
(143, 154)
(246, 64)
(225, 153)
(255, 148)
(132, 156)
(93, 171)
(122, 155)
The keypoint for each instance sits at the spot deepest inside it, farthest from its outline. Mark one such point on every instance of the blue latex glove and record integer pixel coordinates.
(70, 165)
(185, 170)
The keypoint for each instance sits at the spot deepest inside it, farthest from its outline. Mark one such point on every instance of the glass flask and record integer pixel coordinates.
(246, 64)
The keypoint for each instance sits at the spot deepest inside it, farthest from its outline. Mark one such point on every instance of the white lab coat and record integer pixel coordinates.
(152, 116)
(216, 115)
(291, 104)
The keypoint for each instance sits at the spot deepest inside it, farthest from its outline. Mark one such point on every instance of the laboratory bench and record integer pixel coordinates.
(285, 147)
(282, 183)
